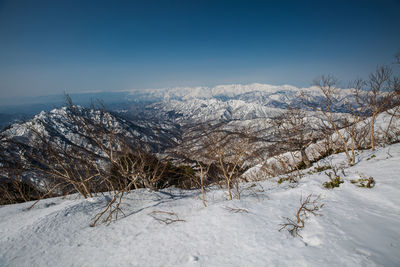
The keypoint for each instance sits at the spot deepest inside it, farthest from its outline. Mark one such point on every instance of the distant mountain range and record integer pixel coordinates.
(157, 117)
(261, 94)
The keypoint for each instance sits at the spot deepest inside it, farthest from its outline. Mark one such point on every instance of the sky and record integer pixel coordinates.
(49, 47)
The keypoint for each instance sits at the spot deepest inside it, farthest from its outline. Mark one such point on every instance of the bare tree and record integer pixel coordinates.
(203, 173)
(13, 187)
(294, 132)
(354, 121)
(330, 97)
(395, 111)
(225, 151)
(392, 132)
(228, 151)
(378, 95)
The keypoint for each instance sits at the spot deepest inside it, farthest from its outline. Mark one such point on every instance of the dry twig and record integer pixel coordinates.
(236, 210)
(166, 217)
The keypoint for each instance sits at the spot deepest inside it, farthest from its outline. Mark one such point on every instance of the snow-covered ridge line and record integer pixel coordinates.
(228, 90)
(226, 102)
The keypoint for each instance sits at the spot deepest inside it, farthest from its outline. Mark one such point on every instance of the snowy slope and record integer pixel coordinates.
(386, 127)
(358, 226)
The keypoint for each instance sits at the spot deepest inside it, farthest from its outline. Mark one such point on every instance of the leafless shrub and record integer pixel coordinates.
(230, 150)
(14, 187)
(14, 190)
(111, 210)
(333, 174)
(332, 121)
(392, 132)
(309, 205)
(354, 122)
(226, 151)
(139, 169)
(293, 132)
(380, 92)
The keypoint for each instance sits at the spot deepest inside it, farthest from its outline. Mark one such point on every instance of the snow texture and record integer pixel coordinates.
(358, 226)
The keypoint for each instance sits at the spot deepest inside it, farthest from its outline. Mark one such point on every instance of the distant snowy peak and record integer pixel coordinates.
(255, 92)
(238, 89)
(202, 92)
(224, 102)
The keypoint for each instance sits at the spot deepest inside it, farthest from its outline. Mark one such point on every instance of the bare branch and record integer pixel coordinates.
(309, 205)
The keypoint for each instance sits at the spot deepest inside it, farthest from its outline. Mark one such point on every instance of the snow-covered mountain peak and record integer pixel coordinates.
(224, 91)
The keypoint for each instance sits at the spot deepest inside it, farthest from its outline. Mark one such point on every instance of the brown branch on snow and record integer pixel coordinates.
(166, 217)
(307, 206)
(236, 210)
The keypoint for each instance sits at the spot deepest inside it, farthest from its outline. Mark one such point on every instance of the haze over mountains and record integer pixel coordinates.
(252, 100)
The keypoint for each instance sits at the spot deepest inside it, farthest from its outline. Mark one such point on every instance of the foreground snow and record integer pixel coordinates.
(358, 226)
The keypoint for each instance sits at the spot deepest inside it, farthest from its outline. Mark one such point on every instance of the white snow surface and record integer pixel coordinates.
(358, 226)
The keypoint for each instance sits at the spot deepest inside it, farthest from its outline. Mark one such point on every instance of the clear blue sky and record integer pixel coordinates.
(47, 47)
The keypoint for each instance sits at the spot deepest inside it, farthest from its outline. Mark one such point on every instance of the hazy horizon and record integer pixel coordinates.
(87, 96)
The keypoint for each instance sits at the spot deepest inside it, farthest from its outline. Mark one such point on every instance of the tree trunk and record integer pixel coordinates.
(305, 158)
(371, 134)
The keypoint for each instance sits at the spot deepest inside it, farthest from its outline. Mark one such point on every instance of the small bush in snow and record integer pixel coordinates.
(334, 179)
(335, 182)
(310, 205)
(364, 182)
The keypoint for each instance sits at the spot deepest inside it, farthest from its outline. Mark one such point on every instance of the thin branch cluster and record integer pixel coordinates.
(309, 206)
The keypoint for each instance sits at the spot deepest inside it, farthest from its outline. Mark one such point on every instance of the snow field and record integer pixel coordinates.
(358, 226)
